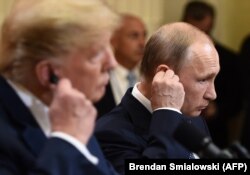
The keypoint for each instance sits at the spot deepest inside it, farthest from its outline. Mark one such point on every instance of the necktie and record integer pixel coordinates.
(131, 79)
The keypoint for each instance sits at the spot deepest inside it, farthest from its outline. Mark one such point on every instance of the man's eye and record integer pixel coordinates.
(202, 80)
(133, 35)
(98, 56)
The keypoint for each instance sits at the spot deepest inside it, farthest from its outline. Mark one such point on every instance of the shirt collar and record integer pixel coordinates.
(146, 102)
(141, 98)
(121, 71)
(36, 106)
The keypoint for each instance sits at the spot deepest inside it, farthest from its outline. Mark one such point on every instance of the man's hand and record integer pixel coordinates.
(71, 112)
(167, 91)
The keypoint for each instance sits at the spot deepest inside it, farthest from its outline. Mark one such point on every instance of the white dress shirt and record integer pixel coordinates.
(146, 102)
(119, 82)
(40, 113)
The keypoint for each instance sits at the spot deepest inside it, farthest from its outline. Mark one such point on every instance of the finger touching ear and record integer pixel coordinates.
(162, 67)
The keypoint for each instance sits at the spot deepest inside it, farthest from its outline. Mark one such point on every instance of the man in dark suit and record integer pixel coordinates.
(228, 103)
(25, 149)
(128, 44)
(53, 66)
(178, 69)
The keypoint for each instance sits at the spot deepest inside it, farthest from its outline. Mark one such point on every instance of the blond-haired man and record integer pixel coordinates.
(41, 42)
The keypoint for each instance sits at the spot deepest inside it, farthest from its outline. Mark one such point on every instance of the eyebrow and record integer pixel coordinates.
(210, 75)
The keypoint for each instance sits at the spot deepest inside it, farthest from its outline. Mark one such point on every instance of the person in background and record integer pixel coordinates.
(178, 70)
(128, 44)
(245, 70)
(228, 102)
(54, 64)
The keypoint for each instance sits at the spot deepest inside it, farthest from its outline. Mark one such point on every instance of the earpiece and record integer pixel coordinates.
(53, 78)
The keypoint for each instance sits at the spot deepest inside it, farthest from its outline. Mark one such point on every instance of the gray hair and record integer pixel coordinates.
(169, 45)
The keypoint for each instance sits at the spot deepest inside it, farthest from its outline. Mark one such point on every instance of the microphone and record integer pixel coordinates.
(197, 141)
(240, 151)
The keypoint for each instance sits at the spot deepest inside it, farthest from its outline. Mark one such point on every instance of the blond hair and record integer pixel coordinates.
(44, 29)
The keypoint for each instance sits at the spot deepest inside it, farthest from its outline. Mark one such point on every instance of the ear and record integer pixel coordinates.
(43, 69)
(162, 67)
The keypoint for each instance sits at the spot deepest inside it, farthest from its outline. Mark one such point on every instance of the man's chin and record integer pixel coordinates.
(196, 114)
(99, 94)
(193, 114)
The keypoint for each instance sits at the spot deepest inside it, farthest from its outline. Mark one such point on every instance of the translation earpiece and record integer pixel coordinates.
(52, 77)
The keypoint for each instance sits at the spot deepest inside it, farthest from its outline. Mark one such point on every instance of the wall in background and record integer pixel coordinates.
(4, 8)
(232, 22)
(151, 12)
(235, 22)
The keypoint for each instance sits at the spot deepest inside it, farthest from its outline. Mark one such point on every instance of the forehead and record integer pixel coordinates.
(100, 42)
(131, 24)
(203, 58)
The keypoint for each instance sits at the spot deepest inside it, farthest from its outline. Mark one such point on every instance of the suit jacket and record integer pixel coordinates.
(107, 103)
(24, 149)
(131, 131)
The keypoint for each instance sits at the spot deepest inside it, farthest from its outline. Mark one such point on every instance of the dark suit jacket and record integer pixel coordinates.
(131, 131)
(107, 103)
(24, 149)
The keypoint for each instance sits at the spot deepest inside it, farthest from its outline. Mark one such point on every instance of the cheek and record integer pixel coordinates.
(193, 95)
(90, 80)
(95, 91)
(86, 80)
(191, 103)
(127, 49)
(130, 44)
(88, 87)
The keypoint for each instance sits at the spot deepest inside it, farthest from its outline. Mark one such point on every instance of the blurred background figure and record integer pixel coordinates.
(128, 44)
(245, 72)
(228, 102)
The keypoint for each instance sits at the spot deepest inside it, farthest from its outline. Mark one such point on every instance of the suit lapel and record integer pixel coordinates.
(139, 115)
(35, 139)
(32, 135)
